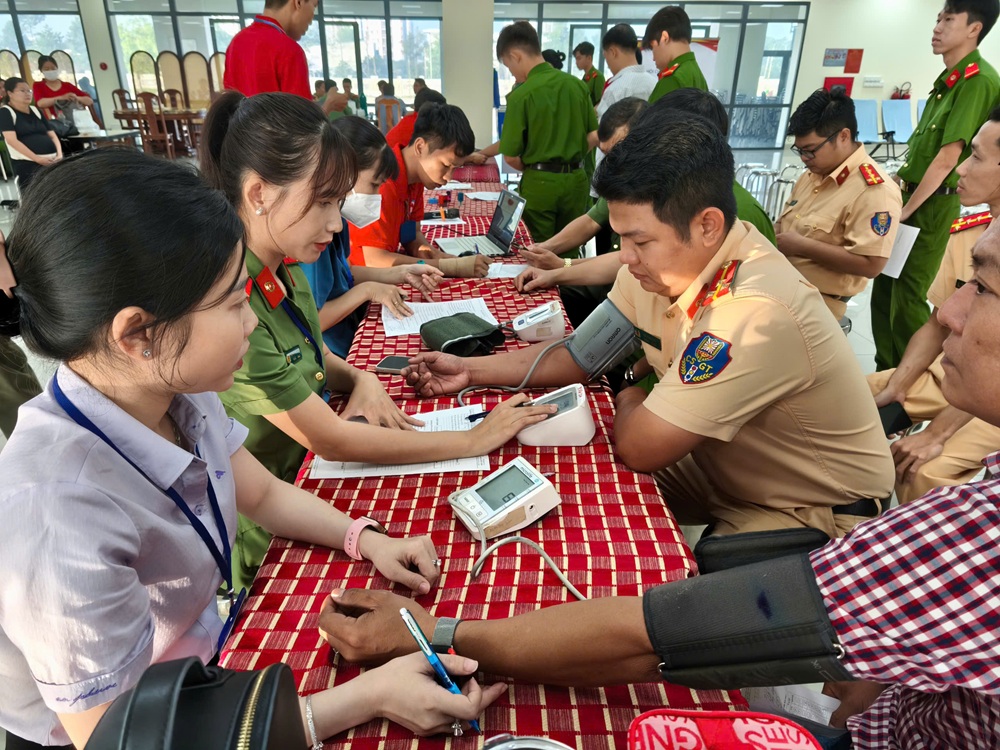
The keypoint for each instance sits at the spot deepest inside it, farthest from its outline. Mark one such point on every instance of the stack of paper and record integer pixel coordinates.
(443, 420)
(424, 312)
(506, 270)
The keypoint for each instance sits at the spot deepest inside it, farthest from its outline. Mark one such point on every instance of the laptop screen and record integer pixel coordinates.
(505, 218)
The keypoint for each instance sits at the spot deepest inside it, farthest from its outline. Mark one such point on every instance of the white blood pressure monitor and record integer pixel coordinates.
(572, 424)
(545, 323)
(512, 497)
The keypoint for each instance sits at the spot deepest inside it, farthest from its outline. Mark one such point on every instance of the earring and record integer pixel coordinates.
(259, 211)
(146, 353)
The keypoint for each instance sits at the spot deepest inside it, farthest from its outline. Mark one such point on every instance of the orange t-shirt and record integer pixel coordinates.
(401, 202)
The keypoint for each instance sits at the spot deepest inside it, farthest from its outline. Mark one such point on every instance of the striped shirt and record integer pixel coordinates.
(914, 597)
(631, 81)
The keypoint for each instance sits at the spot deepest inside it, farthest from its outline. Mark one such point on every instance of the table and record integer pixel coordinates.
(184, 137)
(613, 535)
(108, 136)
(488, 172)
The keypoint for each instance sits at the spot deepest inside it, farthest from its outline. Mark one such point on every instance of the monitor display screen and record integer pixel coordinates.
(502, 489)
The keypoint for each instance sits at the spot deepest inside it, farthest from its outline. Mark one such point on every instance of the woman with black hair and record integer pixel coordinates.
(340, 290)
(123, 479)
(31, 142)
(286, 169)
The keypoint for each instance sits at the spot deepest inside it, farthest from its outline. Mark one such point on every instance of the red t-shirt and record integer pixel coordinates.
(402, 134)
(263, 58)
(401, 201)
(40, 90)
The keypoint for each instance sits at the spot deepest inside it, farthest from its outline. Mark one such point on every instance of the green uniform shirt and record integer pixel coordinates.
(957, 106)
(595, 84)
(279, 371)
(747, 209)
(683, 73)
(548, 118)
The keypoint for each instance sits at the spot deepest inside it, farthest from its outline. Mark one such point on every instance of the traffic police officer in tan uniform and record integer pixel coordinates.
(746, 428)
(950, 450)
(840, 221)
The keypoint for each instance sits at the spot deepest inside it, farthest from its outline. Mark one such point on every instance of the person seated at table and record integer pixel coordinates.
(402, 134)
(950, 449)
(31, 142)
(898, 617)
(285, 169)
(393, 105)
(548, 269)
(103, 573)
(746, 429)
(319, 89)
(440, 141)
(340, 291)
(55, 97)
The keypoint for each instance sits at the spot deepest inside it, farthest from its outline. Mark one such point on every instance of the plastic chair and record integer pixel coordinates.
(867, 114)
(389, 113)
(897, 119)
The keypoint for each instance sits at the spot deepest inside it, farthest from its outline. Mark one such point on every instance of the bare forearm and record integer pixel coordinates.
(838, 259)
(585, 271)
(948, 422)
(335, 310)
(574, 234)
(492, 150)
(515, 162)
(556, 645)
(556, 368)
(945, 161)
(47, 102)
(924, 347)
(377, 257)
(338, 709)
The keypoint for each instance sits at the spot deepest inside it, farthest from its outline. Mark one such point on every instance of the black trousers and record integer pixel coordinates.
(16, 743)
(25, 171)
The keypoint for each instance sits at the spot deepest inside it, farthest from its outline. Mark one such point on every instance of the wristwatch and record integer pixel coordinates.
(444, 635)
(354, 534)
(567, 262)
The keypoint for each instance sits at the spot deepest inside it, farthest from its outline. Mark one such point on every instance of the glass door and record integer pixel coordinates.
(583, 32)
(343, 53)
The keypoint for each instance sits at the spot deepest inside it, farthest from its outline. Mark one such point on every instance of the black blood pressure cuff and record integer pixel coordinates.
(462, 334)
(756, 625)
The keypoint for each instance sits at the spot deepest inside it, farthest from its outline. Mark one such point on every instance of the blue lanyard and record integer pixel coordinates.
(304, 331)
(224, 558)
(269, 23)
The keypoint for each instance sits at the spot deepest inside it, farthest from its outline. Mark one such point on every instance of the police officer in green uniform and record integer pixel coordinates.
(668, 35)
(957, 106)
(549, 128)
(584, 56)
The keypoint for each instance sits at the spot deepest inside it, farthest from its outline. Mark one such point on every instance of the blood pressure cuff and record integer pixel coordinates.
(752, 626)
(723, 551)
(462, 334)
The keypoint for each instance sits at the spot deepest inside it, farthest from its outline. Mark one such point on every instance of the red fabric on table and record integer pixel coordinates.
(612, 534)
(488, 172)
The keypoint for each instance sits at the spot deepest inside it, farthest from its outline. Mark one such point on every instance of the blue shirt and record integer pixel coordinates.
(329, 277)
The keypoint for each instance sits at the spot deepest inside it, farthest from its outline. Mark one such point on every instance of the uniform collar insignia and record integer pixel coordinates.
(269, 288)
(952, 79)
(842, 175)
(670, 71)
(720, 285)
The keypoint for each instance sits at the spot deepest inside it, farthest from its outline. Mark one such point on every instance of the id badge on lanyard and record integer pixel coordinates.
(223, 558)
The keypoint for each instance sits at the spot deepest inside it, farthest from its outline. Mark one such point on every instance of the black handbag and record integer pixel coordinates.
(184, 705)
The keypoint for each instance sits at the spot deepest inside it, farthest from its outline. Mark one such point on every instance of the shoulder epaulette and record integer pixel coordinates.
(720, 285)
(972, 70)
(968, 222)
(670, 71)
(871, 175)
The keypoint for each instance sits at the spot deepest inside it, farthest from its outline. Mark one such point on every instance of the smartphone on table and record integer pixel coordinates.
(392, 365)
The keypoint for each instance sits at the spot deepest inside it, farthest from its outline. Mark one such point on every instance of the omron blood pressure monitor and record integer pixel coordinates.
(572, 423)
(512, 497)
(544, 323)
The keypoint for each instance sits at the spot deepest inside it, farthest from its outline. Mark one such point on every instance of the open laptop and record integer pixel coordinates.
(501, 232)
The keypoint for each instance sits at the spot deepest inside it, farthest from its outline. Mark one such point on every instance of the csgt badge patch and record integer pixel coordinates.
(881, 222)
(704, 358)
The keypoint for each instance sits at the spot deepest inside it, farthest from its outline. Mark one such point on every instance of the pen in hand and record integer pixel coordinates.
(442, 676)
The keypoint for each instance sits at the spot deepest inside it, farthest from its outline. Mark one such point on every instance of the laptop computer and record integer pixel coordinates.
(497, 240)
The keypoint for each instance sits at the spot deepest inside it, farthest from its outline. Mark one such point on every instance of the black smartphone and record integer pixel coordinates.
(894, 418)
(392, 365)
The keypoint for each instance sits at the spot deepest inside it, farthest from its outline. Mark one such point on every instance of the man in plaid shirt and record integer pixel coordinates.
(909, 600)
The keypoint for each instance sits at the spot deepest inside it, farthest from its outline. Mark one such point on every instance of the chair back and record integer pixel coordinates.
(172, 99)
(867, 114)
(389, 112)
(122, 99)
(897, 118)
(152, 114)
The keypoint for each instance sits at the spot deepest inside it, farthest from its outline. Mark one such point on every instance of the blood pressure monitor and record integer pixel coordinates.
(572, 423)
(544, 323)
(512, 497)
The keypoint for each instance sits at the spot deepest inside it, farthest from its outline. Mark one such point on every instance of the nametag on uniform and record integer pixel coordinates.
(648, 338)
(293, 355)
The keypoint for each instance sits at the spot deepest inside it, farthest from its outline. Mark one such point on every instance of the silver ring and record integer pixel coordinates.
(456, 728)
(436, 563)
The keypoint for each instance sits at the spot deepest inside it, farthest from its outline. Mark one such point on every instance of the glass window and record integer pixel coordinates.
(41, 5)
(758, 127)
(413, 8)
(206, 6)
(770, 51)
(253, 7)
(571, 11)
(139, 6)
(713, 10)
(135, 33)
(777, 12)
(314, 54)
(515, 11)
(342, 46)
(207, 34)
(57, 32)
(505, 79)
(354, 8)
(7, 38)
(416, 53)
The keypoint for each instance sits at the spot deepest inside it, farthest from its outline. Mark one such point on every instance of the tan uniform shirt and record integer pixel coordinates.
(855, 207)
(764, 372)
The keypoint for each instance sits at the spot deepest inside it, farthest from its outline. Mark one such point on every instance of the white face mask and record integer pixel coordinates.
(51, 75)
(361, 209)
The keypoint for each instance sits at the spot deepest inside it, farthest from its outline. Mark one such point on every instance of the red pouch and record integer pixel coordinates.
(668, 729)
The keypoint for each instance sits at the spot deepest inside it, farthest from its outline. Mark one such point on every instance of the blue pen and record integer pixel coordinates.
(476, 245)
(443, 678)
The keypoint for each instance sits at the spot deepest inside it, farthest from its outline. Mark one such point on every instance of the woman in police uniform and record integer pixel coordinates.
(286, 170)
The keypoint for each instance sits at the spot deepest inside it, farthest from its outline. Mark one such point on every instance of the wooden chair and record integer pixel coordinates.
(172, 99)
(153, 126)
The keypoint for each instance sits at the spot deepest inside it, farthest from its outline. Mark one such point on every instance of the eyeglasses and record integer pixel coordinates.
(810, 153)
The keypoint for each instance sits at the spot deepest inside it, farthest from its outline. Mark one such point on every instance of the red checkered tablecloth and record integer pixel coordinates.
(488, 172)
(468, 207)
(612, 534)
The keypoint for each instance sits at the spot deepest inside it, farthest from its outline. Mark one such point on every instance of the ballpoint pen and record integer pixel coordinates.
(476, 245)
(443, 678)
